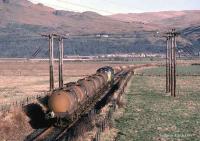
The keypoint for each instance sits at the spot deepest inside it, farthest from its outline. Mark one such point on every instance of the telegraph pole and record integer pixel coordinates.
(175, 34)
(51, 59)
(167, 65)
(172, 65)
(171, 62)
(168, 62)
(60, 62)
(51, 62)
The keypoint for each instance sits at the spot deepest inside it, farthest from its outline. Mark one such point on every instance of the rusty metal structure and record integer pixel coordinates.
(71, 101)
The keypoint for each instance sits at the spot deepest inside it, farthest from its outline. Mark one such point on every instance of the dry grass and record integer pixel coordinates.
(21, 79)
(14, 126)
(109, 134)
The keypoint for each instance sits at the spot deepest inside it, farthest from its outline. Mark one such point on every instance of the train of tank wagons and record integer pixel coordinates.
(70, 102)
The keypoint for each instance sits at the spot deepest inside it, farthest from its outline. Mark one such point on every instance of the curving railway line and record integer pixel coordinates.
(64, 115)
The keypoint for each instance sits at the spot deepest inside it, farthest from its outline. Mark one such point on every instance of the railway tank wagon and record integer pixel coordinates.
(109, 72)
(70, 102)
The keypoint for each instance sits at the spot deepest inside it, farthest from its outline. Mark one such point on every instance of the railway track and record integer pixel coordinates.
(47, 134)
(38, 134)
(55, 134)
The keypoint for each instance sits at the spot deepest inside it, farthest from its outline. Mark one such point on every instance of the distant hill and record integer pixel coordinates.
(178, 19)
(24, 12)
(22, 23)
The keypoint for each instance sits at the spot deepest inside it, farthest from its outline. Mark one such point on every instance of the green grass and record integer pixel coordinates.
(150, 114)
(180, 70)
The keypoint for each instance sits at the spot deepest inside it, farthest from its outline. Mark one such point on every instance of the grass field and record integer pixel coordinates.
(181, 70)
(151, 114)
(20, 79)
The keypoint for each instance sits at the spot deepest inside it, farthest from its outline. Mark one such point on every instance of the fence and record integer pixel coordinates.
(20, 103)
(107, 121)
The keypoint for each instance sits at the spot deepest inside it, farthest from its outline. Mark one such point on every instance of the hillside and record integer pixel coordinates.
(24, 12)
(22, 23)
(178, 19)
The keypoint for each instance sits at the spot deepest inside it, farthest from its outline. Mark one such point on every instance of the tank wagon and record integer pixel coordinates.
(67, 104)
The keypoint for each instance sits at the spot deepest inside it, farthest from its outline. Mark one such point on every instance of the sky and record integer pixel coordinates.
(109, 7)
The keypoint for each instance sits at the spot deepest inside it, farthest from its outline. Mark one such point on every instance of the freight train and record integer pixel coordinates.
(74, 99)
(69, 103)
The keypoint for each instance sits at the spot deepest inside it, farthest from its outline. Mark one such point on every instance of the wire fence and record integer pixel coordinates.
(7, 107)
(160, 75)
(187, 79)
(107, 122)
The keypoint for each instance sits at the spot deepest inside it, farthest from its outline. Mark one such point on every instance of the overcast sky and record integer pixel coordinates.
(108, 7)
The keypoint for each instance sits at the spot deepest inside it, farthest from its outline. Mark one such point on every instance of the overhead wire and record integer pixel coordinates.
(87, 7)
(96, 10)
(186, 51)
(36, 52)
(119, 6)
